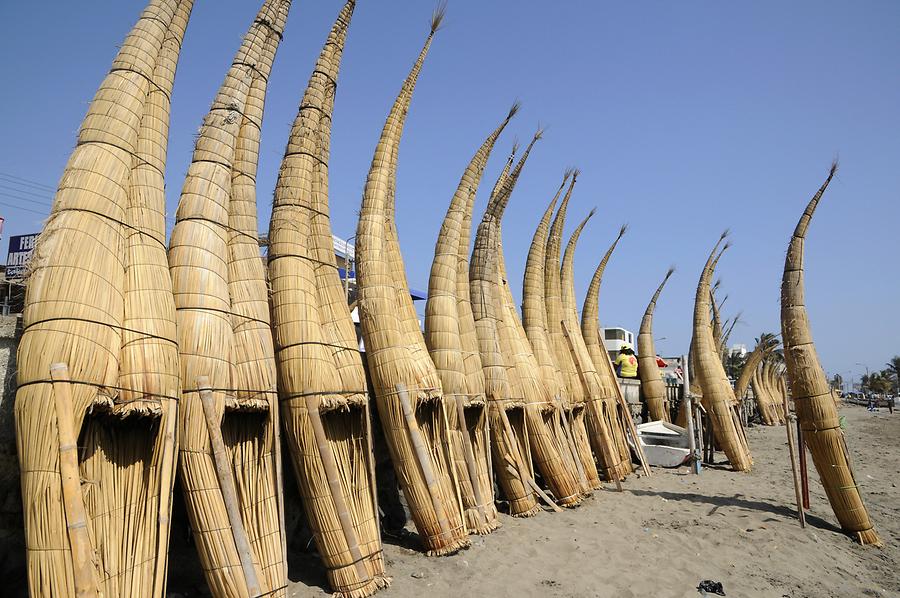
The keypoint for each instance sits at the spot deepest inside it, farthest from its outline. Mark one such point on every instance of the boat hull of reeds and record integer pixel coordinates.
(229, 429)
(98, 365)
(407, 387)
(812, 395)
(447, 315)
(718, 395)
(322, 385)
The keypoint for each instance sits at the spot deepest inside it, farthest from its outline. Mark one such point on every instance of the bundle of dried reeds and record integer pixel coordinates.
(322, 384)
(506, 404)
(606, 418)
(99, 341)
(466, 413)
(228, 416)
(574, 376)
(811, 392)
(564, 359)
(764, 345)
(767, 394)
(407, 386)
(652, 387)
(550, 449)
(534, 319)
(718, 396)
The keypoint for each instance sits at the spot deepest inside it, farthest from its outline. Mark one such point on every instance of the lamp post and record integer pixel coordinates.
(348, 265)
(867, 375)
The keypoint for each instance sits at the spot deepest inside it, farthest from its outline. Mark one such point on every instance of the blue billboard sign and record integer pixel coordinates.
(20, 250)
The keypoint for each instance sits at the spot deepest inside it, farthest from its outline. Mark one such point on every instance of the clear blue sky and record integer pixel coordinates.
(686, 118)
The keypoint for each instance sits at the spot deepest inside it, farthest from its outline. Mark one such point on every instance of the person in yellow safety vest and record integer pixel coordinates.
(626, 362)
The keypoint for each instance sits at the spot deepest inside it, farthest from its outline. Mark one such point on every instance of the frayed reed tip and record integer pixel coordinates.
(513, 110)
(437, 17)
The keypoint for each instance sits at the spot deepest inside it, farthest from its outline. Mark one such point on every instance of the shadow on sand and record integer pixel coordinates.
(740, 502)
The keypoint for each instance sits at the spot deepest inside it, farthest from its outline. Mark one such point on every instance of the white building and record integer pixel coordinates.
(615, 338)
(739, 350)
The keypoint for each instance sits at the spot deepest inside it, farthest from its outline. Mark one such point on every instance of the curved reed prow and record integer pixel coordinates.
(718, 396)
(652, 387)
(813, 402)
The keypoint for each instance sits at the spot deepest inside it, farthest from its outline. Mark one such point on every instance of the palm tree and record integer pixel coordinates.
(893, 367)
(837, 382)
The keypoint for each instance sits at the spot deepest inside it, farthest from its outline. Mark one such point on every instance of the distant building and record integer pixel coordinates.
(615, 338)
(739, 350)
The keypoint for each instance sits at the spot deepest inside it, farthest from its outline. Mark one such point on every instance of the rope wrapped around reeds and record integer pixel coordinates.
(718, 395)
(99, 315)
(228, 418)
(466, 413)
(652, 387)
(534, 321)
(322, 384)
(407, 386)
(813, 401)
(506, 406)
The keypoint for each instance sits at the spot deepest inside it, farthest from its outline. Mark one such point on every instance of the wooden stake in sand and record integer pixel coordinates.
(794, 472)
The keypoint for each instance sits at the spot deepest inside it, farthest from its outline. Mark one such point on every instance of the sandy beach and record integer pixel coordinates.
(665, 533)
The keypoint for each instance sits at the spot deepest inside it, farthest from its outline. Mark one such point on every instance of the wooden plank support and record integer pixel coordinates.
(329, 464)
(469, 454)
(371, 460)
(582, 373)
(794, 469)
(570, 441)
(80, 548)
(424, 460)
(227, 486)
(520, 464)
(529, 481)
(166, 485)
